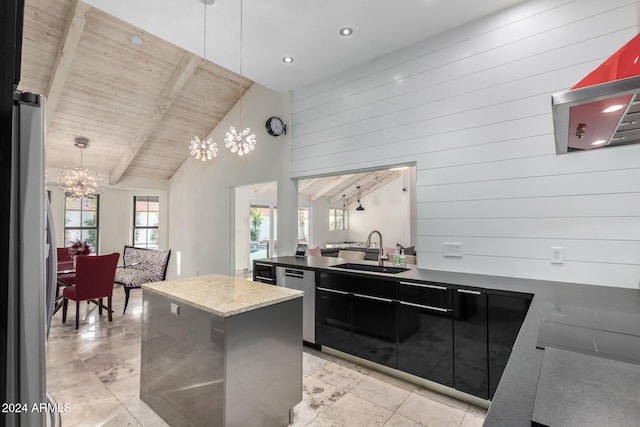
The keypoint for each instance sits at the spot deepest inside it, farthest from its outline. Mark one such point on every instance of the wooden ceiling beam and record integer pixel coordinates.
(181, 75)
(329, 186)
(66, 52)
(371, 182)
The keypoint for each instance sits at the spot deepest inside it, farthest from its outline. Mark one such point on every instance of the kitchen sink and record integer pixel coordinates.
(374, 268)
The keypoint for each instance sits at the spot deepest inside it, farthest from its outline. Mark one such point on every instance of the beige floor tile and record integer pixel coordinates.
(353, 411)
(432, 412)
(398, 420)
(474, 417)
(381, 393)
(96, 369)
(316, 396)
(340, 376)
(313, 363)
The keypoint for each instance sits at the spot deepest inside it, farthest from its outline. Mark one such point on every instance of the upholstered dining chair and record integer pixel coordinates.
(93, 281)
(65, 261)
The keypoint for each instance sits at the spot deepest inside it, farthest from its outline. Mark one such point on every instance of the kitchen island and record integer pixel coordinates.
(520, 388)
(221, 351)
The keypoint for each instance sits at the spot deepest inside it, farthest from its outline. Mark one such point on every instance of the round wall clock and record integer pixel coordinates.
(275, 126)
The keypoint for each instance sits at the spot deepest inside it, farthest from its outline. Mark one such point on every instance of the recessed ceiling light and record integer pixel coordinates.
(599, 142)
(287, 59)
(346, 31)
(613, 108)
(136, 39)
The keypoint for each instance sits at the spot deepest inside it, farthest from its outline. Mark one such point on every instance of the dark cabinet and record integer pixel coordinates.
(459, 338)
(374, 329)
(264, 272)
(425, 331)
(333, 319)
(356, 314)
(470, 342)
(505, 316)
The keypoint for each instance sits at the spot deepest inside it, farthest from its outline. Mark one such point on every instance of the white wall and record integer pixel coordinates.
(115, 212)
(472, 108)
(387, 210)
(202, 205)
(319, 224)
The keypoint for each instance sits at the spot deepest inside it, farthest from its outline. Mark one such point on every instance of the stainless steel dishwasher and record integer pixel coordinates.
(302, 280)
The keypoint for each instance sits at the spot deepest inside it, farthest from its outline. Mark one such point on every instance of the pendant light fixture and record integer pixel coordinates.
(240, 142)
(79, 182)
(359, 208)
(204, 149)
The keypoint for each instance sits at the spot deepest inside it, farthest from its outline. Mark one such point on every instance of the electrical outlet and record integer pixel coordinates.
(557, 255)
(452, 249)
(174, 309)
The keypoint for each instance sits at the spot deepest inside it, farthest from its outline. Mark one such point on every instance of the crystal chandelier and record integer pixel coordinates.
(79, 182)
(244, 141)
(204, 149)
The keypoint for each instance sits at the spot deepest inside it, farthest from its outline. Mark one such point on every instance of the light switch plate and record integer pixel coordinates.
(557, 255)
(452, 250)
(175, 309)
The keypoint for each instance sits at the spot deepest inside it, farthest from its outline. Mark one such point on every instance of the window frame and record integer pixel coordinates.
(332, 214)
(95, 249)
(145, 227)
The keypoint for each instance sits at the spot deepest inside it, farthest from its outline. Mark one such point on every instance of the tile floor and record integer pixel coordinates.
(96, 370)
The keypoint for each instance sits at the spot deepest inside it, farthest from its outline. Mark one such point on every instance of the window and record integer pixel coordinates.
(146, 214)
(81, 221)
(303, 225)
(336, 219)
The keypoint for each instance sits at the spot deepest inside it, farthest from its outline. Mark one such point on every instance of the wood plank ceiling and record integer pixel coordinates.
(138, 105)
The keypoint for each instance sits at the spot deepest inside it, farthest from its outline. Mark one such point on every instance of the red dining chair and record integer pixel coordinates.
(65, 261)
(93, 281)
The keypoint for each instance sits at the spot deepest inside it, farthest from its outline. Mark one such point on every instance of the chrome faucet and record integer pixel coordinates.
(368, 244)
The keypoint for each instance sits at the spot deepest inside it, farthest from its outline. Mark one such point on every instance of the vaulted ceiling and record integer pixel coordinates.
(140, 104)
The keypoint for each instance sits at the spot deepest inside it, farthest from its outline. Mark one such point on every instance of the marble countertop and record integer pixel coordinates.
(513, 403)
(222, 295)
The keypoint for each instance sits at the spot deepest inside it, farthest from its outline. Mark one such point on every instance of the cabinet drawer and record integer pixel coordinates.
(428, 294)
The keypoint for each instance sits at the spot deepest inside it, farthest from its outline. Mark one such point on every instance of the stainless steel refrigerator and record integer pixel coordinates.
(32, 270)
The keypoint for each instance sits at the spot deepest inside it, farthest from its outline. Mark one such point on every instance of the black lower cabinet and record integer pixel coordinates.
(470, 342)
(333, 319)
(374, 329)
(505, 316)
(428, 350)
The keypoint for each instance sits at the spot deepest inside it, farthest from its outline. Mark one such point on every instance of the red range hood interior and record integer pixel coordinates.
(579, 118)
(624, 63)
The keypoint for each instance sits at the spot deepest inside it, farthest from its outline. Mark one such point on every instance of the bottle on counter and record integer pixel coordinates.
(403, 258)
(396, 258)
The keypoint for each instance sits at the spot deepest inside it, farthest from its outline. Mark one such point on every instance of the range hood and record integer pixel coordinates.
(602, 109)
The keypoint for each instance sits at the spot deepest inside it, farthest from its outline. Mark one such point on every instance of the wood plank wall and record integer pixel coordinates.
(472, 108)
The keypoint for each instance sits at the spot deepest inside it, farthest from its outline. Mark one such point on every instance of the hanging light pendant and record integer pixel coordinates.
(359, 208)
(244, 141)
(204, 149)
(79, 182)
(240, 142)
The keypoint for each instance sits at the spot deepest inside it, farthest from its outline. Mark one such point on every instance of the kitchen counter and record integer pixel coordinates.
(221, 351)
(221, 295)
(514, 400)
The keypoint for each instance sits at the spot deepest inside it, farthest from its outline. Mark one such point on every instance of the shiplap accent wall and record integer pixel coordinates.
(472, 108)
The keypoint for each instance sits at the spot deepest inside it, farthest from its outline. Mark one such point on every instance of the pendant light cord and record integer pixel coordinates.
(204, 62)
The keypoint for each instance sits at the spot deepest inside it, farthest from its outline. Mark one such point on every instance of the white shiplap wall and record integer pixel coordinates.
(472, 108)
